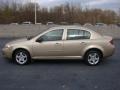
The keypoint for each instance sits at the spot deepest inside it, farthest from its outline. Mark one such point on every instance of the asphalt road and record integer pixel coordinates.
(60, 75)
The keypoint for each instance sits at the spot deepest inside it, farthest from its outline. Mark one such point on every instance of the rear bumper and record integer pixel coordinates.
(110, 51)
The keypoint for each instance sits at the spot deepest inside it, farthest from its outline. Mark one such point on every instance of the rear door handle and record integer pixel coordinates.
(82, 42)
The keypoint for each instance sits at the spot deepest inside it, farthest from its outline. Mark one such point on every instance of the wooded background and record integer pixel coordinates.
(18, 13)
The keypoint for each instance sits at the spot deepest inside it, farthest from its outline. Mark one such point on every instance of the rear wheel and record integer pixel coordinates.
(93, 58)
(21, 57)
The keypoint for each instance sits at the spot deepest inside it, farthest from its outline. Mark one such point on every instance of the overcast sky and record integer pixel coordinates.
(103, 4)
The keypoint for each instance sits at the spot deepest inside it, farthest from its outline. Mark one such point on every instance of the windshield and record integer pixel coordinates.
(31, 37)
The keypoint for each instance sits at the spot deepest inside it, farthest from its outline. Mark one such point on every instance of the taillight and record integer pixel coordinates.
(111, 42)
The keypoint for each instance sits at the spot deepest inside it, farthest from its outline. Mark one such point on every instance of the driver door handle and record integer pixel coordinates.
(82, 42)
(57, 43)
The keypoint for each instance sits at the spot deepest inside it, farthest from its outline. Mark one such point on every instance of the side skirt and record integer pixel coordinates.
(57, 57)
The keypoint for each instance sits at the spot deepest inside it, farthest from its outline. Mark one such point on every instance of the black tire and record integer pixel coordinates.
(93, 58)
(22, 57)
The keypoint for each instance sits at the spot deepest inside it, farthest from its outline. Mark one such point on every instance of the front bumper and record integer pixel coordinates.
(7, 53)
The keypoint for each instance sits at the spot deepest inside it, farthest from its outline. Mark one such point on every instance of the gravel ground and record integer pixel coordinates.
(60, 75)
(31, 30)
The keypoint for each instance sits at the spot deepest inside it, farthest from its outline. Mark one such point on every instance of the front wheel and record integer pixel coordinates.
(21, 57)
(93, 58)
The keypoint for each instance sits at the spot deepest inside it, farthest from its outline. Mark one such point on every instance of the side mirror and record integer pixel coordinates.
(39, 40)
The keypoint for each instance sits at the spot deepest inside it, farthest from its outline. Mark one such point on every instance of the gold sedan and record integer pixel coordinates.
(63, 42)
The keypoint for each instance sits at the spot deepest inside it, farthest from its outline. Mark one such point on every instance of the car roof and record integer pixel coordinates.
(70, 27)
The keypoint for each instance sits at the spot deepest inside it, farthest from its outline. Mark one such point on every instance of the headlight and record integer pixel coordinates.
(7, 46)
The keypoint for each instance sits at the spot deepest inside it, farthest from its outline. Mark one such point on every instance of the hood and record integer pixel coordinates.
(17, 41)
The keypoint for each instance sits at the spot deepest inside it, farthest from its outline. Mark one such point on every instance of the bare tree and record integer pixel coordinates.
(14, 12)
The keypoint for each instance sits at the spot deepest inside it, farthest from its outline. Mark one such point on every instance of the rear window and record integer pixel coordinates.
(76, 34)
